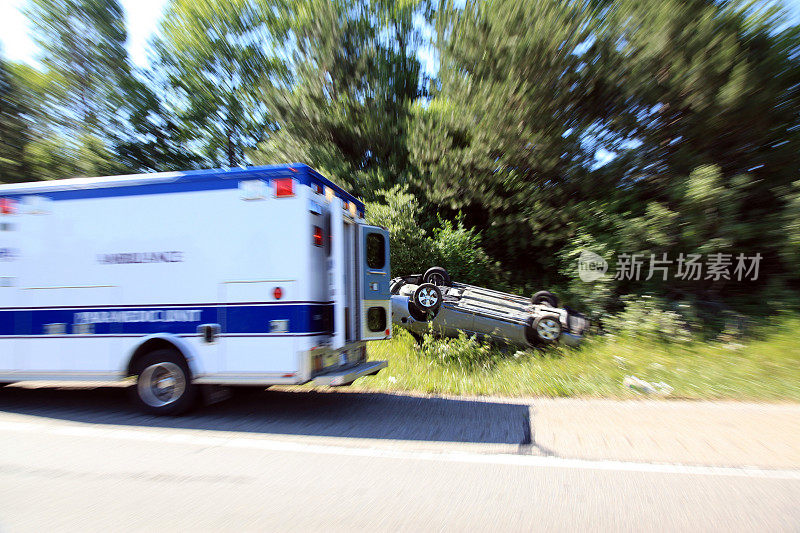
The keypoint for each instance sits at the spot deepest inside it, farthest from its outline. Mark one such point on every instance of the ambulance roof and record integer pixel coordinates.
(168, 182)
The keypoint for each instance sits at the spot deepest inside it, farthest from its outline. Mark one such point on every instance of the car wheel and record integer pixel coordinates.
(427, 298)
(544, 297)
(546, 329)
(396, 286)
(164, 384)
(438, 276)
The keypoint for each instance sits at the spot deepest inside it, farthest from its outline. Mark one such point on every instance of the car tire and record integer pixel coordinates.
(163, 384)
(437, 276)
(417, 314)
(396, 286)
(427, 298)
(545, 297)
(544, 330)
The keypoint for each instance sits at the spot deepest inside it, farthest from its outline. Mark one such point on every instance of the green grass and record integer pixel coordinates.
(766, 367)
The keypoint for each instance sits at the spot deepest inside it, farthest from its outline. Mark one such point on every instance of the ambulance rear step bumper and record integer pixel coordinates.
(349, 375)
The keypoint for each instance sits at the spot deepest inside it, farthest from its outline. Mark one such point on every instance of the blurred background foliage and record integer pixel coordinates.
(546, 127)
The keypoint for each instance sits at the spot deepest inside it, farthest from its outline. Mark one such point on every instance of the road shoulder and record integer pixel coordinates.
(659, 431)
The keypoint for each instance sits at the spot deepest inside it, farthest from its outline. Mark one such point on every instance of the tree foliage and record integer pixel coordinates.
(551, 127)
(13, 128)
(345, 106)
(82, 45)
(71, 102)
(214, 56)
(503, 136)
(446, 243)
(150, 139)
(697, 100)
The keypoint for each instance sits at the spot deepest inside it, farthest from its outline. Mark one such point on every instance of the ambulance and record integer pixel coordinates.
(176, 281)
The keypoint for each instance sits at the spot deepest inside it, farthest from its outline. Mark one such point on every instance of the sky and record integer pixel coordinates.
(142, 20)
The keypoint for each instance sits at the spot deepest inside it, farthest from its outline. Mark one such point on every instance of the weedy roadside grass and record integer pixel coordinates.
(766, 367)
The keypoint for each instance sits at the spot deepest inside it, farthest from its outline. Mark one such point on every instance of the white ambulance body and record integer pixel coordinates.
(260, 276)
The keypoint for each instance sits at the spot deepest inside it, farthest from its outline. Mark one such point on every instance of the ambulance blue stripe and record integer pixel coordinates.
(302, 319)
(166, 306)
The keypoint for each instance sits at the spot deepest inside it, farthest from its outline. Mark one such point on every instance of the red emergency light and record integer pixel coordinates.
(7, 206)
(284, 187)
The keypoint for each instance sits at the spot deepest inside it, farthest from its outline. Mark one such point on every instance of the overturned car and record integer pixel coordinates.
(433, 302)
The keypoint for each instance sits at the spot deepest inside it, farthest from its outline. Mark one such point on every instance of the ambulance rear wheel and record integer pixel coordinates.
(164, 383)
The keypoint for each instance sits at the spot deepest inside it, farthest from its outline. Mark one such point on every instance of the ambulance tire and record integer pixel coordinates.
(163, 383)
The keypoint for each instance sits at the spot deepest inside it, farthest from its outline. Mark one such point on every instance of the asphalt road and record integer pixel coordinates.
(82, 459)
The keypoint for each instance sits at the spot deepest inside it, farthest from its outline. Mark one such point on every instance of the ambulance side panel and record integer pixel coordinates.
(83, 299)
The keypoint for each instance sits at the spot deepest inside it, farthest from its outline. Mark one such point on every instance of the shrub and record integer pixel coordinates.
(650, 318)
(413, 250)
(458, 249)
(462, 351)
(399, 212)
(594, 298)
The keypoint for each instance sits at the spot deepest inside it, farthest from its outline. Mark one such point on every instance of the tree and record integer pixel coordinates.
(13, 128)
(345, 107)
(75, 99)
(50, 158)
(522, 84)
(710, 83)
(698, 101)
(214, 57)
(149, 139)
(713, 89)
(83, 48)
(449, 245)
